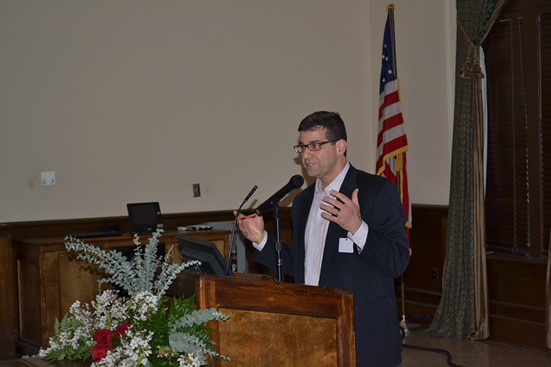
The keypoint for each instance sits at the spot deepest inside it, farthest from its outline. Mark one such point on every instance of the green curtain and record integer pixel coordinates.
(462, 311)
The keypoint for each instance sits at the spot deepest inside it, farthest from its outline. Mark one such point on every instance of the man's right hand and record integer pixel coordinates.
(251, 226)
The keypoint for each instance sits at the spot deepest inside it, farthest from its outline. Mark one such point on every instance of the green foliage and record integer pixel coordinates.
(179, 308)
(157, 323)
(133, 276)
(66, 330)
(189, 332)
(182, 328)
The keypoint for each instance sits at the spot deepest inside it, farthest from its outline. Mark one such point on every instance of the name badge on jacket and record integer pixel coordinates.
(346, 245)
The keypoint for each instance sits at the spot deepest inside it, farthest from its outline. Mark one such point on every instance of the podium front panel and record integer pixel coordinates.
(275, 324)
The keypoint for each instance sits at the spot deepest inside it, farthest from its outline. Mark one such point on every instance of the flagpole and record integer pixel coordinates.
(390, 9)
(403, 323)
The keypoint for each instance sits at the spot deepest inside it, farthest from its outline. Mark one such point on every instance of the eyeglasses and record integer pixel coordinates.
(312, 146)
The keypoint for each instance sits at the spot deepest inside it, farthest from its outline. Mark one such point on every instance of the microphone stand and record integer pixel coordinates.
(277, 216)
(232, 251)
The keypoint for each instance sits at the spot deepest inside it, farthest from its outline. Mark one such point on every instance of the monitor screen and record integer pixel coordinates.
(211, 261)
(144, 217)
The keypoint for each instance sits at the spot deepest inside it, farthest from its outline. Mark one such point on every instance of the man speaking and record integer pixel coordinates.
(348, 232)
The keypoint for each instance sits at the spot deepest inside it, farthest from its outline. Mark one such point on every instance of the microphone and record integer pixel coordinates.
(248, 196)
(232, 255)
(294, 183)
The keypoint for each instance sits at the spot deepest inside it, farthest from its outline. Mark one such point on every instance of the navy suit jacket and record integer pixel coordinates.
(369, 273)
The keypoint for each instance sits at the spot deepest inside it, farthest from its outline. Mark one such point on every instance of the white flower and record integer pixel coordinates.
(189, 360)
(143, 304)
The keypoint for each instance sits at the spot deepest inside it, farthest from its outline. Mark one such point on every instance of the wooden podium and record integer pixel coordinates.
(275, 324)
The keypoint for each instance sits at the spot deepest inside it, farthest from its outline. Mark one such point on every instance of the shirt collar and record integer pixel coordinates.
(336, 184)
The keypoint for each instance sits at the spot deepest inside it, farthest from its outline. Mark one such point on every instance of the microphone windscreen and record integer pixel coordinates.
(297, 181)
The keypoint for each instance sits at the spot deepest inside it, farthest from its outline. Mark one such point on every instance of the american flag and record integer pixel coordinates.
(392, 143)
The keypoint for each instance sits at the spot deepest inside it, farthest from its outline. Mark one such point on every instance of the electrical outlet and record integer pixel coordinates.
(196, 190)
(48, 178)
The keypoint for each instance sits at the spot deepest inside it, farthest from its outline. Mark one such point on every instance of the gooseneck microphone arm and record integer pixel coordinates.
(232, 250)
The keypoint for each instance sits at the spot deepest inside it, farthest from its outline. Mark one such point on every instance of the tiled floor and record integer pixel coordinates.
(468, 353)
(464, 353)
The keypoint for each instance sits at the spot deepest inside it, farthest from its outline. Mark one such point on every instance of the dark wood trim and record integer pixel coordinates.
(62, 227)
(8, 316)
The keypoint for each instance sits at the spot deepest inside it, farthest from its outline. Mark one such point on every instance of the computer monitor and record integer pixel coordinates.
(211, 261)
(144, 217)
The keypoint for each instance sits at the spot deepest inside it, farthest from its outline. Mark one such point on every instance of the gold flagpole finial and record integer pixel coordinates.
(390, 7)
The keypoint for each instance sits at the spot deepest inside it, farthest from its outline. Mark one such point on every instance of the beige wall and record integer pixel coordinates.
(425, 48)
(132, 101)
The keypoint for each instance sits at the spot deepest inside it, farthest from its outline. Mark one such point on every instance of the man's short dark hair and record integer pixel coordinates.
(331, 121)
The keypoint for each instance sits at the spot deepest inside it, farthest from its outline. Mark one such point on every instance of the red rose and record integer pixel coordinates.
(99, 352)
(104, 338)
(121, 330)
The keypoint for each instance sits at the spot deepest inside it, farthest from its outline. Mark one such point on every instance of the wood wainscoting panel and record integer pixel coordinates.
(7, 295)
(30, 306)
(516, 288)
(423, 277)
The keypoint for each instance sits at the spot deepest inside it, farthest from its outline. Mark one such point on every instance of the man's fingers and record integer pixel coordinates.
(355, 197)
(340, 197)
(331, 209)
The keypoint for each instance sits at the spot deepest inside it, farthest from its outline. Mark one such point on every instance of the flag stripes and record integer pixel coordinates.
(392, 143)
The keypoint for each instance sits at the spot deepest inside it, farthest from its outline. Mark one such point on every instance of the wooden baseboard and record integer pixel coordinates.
(25, 347)
(518, 332)
(7, 350)
(420, 304)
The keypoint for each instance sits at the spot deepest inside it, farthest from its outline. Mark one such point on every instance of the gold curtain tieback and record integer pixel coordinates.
(471, 68)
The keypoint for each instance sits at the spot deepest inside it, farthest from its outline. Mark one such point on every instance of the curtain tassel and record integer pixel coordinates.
(471, 68)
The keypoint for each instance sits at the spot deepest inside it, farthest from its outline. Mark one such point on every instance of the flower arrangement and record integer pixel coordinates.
(142, 329)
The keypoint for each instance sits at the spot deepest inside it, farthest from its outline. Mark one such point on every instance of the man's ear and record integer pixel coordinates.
(341, 147)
